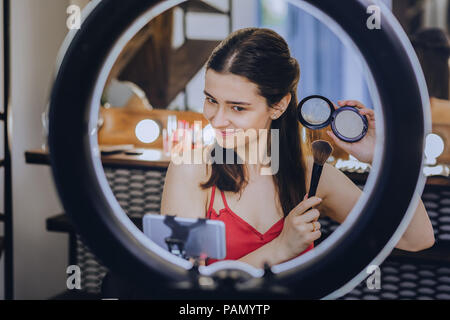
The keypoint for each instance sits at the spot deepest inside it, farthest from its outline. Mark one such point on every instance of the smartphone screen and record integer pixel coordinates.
(204, 240)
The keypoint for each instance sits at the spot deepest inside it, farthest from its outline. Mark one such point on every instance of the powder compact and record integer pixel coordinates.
(317, 112)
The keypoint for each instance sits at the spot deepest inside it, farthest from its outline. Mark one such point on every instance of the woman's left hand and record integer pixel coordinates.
(363, 149)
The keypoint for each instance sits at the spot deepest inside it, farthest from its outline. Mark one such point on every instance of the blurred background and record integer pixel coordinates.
(155, 87)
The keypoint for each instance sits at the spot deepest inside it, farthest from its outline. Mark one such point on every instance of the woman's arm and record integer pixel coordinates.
(340, 195)
(270, 253)
(300, 230)
(419, 235)
(182, 195)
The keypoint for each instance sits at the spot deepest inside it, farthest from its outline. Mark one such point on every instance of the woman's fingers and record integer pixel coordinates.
(353, 103)
(307, 227)
(363, 110)
(308, 217)
(201, 261)
(332, 136)
(315, 225)
(357, 104)
(369, 113)
(342, 144)
(305, 205)
(315, 235)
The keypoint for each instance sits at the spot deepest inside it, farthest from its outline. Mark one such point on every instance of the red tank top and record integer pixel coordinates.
(241, 237)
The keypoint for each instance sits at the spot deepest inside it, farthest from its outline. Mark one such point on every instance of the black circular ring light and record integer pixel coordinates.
(326, 271)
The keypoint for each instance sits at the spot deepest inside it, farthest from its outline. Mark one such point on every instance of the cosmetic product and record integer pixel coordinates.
(166, 140)
(197, 134)
(317, 112)
(321, 152)
(115, 149)
(135, 152)
(171, 124)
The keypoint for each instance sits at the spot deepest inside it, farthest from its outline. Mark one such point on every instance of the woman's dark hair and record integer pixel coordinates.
(263, 57)
(432, 46)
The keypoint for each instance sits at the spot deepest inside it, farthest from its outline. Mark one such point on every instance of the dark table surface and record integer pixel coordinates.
(155, 159)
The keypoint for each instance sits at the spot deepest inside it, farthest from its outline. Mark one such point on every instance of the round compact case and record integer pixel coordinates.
(317, 112)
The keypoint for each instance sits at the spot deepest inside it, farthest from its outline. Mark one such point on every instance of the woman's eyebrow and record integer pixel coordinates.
(228, 102)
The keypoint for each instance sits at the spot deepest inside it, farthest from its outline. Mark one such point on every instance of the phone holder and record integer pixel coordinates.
(179, 236)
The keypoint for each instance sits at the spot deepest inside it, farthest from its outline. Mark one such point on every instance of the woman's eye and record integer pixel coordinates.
(235, 108)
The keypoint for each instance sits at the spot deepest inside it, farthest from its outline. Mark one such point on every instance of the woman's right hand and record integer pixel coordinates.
(301, 228)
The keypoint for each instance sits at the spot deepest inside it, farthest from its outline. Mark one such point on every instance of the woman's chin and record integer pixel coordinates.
(227, 143)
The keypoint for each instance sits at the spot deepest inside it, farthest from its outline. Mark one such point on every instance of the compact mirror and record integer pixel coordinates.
(317, 112)
(348, 124)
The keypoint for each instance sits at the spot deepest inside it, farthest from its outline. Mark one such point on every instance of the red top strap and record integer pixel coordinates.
(211, 202)
(241, 237)
(224, 200)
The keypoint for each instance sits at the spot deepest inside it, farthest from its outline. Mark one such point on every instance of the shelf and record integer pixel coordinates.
(59, 223)
(148, 161)
(150, 62)
(62, 223)
(439, 253)
(185, 62)
(37, 157)
(198, 6)
(361, 178)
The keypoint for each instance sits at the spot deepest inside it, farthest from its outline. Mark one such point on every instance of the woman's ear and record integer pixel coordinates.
(280, 107)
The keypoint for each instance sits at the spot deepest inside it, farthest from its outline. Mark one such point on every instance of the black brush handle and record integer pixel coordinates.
(315, 177)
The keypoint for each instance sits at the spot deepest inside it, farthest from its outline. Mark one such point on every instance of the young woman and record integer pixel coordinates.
(251, 84)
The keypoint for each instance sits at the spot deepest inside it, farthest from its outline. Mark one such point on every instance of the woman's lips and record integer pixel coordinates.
(225, 133)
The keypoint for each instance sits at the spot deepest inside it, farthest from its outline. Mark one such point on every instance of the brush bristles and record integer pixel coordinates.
(321, 151)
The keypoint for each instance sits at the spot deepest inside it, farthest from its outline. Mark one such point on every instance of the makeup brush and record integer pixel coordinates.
(321, 151)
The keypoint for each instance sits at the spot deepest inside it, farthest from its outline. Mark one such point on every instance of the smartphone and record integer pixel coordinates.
(204, 240)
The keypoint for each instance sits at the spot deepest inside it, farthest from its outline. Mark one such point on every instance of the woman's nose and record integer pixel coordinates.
(220, 119)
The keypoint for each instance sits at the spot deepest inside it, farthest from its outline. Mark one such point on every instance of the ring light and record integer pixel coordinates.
(327, 271)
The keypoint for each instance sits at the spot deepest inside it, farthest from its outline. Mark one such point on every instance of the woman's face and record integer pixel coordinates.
(234, 107)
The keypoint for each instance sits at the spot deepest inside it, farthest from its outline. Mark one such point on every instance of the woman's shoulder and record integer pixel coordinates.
(190, 165)
(183, 194)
